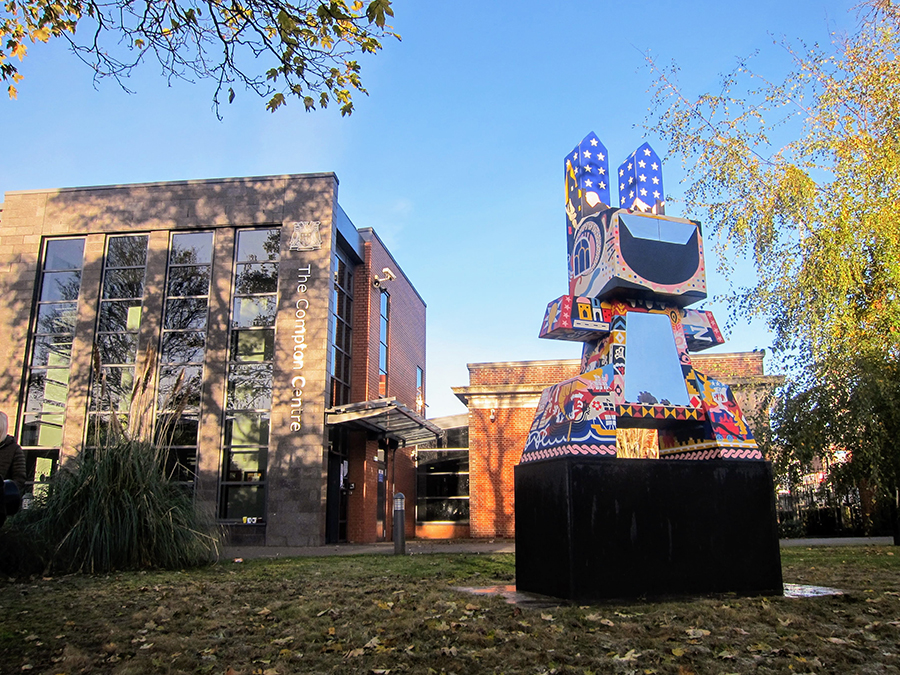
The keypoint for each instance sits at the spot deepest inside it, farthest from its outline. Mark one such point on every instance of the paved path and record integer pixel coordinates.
(420, 546)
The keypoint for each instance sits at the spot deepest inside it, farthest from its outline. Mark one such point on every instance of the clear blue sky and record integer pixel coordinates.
(456, 156)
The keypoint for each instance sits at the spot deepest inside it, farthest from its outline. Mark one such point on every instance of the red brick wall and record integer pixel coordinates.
(494, 451)
(495, 447)
(406, 336)
(529, 372)
(406, 351)
(725, 366)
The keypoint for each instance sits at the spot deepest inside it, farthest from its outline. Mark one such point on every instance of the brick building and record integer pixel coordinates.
(285, 349)
(502, 399)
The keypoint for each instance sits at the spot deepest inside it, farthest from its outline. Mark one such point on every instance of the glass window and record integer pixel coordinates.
(242, 491)
(52, 329)
(60, 286)
(191, 248)
(442, 488)
(340, 331)
(384, 332)
(187, 281)
(182, 350)
(128, 251)
(258, 245)
(420, 390)
(118, 323)
(64, 254)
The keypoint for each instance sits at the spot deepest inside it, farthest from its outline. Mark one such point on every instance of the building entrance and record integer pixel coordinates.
(338, 487)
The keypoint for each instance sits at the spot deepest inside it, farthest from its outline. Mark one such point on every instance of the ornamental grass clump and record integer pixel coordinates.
(114, 506)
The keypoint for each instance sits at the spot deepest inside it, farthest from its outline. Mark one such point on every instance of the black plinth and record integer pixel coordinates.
(598, 528)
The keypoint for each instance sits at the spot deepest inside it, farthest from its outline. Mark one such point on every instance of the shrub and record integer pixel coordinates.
(112, 507)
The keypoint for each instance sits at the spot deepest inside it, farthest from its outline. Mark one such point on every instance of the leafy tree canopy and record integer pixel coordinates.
(818, 215)
(848, 419)
(276, 48)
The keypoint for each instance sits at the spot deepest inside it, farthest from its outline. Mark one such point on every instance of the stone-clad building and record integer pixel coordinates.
(282, 348)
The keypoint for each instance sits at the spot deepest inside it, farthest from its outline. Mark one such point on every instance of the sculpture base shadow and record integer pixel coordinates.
(600, 528)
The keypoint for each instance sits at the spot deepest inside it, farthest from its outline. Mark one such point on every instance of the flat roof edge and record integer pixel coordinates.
(506, 364)
(191, 181)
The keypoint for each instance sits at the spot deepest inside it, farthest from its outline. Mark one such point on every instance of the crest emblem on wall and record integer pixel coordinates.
(306, 236)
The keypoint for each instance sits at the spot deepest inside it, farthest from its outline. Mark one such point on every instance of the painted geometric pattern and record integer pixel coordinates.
(715, 453)
(723, 412)
(575, 318)
(564, 450)
(659, 412)
(701, 330)
(598, 266)
(577, 414)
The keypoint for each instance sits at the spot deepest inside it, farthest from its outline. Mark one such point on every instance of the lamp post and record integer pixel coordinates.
(399, 524)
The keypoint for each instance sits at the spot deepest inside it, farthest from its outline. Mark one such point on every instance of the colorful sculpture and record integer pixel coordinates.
(632, 272)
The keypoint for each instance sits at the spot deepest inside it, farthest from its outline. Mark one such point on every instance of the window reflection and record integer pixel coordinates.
(56, 318)
(60, 286)
(125, 283)
(250, 386)
(186, 313)
(117, 347)
(52, 329)
(183, 347)
(190, 248)
(258, 311)
(183, 350)
(191, 280)
(127, 251)
(258, 245)
(256, 279)
(249, 398)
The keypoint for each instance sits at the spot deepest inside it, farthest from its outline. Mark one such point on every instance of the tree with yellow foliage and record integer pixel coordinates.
(818, 215)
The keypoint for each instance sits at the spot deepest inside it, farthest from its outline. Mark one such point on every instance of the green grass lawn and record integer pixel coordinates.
(379, 614)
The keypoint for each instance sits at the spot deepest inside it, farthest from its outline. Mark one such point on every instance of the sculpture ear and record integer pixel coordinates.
(641, 183)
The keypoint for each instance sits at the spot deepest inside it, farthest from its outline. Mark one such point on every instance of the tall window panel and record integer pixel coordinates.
(340, 329)
(249, 398)
(118, 322)
(420, 390)
(52, 330)
(182, 350)
(383, 331)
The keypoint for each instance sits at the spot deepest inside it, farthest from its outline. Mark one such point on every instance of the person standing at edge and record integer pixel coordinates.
(12, 458)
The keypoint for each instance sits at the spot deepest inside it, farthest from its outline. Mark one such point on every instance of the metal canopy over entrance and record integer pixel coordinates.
(385, 416)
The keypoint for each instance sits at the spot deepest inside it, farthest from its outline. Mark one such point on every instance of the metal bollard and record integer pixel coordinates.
(399, 524)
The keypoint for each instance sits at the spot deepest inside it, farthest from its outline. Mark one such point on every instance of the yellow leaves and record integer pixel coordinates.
(630, 655)
(19, 50)
(13, 94)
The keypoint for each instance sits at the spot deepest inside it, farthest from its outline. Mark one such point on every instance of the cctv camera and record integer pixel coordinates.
(388, 274)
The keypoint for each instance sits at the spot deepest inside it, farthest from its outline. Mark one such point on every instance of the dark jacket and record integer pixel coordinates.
(12, 462)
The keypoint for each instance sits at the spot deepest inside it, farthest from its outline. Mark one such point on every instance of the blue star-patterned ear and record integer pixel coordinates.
(587, 179)
(641, 183)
